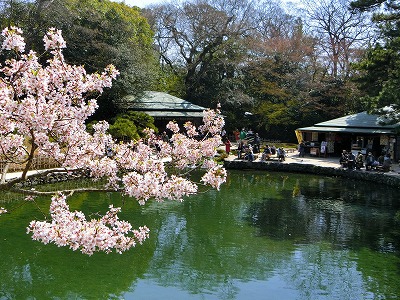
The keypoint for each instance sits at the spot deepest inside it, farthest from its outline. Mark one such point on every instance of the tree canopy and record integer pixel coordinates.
(249, 56)
(379, 74)
(256, 57)
(98, 33)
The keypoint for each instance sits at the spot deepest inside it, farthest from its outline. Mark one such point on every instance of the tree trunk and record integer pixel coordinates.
(4, 173)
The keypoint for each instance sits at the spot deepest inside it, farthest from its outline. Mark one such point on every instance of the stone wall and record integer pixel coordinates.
(54, 177)
(390, 178)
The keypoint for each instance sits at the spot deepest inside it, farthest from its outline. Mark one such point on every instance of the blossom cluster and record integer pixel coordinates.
(43, 109)
(13, 39)
(72, 229)
(54, 40)
(46, 104)
(215, 177)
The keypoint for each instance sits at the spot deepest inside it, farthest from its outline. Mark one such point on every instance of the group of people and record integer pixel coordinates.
(249, 145)
(248, 137)
(351, 161)
(245, 151)
(384, 161)
(270, 151)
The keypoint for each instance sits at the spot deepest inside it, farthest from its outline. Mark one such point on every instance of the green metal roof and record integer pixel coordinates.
(158, 104)
(356, 123)
(174, 114)
(347, 130)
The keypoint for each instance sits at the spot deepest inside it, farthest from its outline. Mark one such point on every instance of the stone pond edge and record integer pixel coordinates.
(390, 178)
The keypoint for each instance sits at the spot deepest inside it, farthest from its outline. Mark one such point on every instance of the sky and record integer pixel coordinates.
(144, 3)
(140, 3)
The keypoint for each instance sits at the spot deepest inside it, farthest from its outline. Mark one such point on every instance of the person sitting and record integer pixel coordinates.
(387, 162)
(249, 154)
(266, 154)
(351, 161)
(343, 159)
(281, 154)
(381, 158)
(370, 161)
(240, 150)
(273, 150)
(359, 160)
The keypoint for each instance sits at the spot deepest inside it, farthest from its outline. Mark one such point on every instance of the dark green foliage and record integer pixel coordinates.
(130, 125)
(364, 5)
(379, 71)
(97, 33)
(124, 129)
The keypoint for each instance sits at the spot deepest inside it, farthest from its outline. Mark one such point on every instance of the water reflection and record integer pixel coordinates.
(344, 215)
(288, 236)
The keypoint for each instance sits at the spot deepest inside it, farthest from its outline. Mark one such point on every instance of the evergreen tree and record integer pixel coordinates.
(379, 71)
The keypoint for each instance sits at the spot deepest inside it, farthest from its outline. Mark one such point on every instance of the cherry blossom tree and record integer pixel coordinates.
(43, 109)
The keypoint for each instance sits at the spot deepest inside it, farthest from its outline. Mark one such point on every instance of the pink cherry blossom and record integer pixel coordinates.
(43, 110)
(174, 127)
(215, 177)
(72, 229)
(13, 39)
(54, 40)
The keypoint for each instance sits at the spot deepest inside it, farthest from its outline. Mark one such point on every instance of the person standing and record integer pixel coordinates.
(257, 142)
(242, 134)
(223, 133)
(227, 146)
(236, 134)
(301, 149)
(240, 149)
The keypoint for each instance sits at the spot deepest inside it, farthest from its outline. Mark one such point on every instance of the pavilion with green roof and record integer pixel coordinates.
(357, 132)
(163, 108)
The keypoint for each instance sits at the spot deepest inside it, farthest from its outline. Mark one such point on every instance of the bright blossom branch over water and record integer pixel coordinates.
(43, 110)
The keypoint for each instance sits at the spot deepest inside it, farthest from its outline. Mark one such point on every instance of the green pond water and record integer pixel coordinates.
(263, 236)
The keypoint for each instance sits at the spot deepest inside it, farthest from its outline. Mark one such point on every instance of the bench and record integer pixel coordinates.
(381, 168)
(271, 158)
(243, 157)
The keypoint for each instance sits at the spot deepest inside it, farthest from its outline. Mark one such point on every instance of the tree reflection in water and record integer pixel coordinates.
(289, 236)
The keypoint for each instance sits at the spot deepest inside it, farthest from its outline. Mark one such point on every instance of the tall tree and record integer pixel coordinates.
(342, 33)
(199, 37)
(280, 71)
(379, 74)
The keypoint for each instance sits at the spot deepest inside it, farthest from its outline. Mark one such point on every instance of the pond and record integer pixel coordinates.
(263, 236)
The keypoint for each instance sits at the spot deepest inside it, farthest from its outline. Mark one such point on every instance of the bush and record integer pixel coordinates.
(221, 155)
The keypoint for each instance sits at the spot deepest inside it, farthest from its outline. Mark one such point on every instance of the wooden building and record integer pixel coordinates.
(357, 132)
(163, 108)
